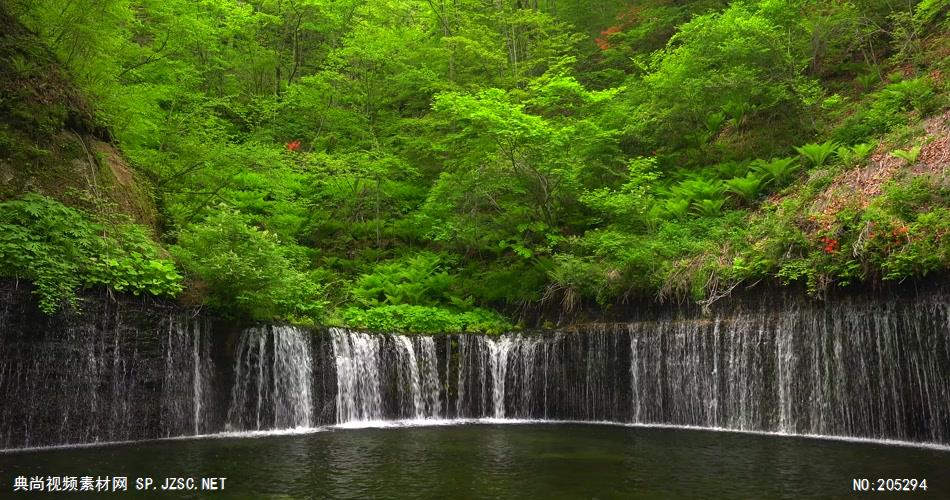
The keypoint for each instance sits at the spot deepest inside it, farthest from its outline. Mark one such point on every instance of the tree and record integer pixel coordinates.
(741, 62)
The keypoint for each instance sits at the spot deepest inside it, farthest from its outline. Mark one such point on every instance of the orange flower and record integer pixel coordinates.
(831, 244)
(603, 42)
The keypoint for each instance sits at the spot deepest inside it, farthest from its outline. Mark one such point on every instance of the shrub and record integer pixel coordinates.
(424, 319)
(889, 109)
(510, 281)
(577, 277)
(248, 272)
(916, 194)
(63, 250)
(930, 10)
(923, 246)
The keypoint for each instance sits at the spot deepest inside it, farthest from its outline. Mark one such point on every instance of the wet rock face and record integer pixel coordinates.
(133, 369)
(116, 371)
(873, 369)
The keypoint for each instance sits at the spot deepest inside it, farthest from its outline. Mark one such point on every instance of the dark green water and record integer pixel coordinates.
(497, 461)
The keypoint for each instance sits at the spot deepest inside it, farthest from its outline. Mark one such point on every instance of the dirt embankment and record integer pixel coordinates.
(862, 184)
(50, 139)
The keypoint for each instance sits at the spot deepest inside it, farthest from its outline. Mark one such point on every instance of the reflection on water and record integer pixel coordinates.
(500, 461)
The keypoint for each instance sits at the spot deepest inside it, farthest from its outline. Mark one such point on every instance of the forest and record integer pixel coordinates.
(459, 165)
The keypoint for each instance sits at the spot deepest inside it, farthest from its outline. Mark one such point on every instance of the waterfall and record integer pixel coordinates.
(863, 369)
(385, 376)
(357, 371)
(186, 387)
(429, 377)
(635, 405)
(872, 370)
(475, 379)
(498, 361)
(272, 380)
(561, 375)
(408, 375)
(417, 373)
(116, 373)
(527, 358)
(875, 369)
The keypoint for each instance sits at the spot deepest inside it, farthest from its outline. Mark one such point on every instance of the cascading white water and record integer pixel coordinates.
(565, 375)
(635, 403)
(202, 367)
(524, 354)
(865, 371)
(272, 380)
(857, 369)
(478, 376)
(292, 372)
(385, 376)
(429, 375)
(501, 372)
(869, 369)
(408, 373)
(498, 352)
(357, 372)
(464, 367)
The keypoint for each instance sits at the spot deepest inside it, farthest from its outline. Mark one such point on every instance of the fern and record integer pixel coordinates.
(747, 188)
(862, 151)
(709, 208)
(867, 81)
(676, 208)
(738, 112)
(905, 95)
(778, 171)
(715, 121)
(699, 189)
(846, 155)
(21, 66)
(418, 280)
(909, 155)
(730, 169)
(850, 156)
(818, 154)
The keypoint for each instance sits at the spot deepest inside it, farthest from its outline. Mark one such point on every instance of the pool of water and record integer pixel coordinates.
(493, 461)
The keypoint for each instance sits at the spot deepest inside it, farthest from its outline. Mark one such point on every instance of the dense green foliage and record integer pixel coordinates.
(61, 250)
(247, 269)
(419, 165)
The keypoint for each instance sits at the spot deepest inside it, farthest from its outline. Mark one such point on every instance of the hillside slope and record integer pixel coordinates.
(50, 140)
(73, 212)
(432, 167)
